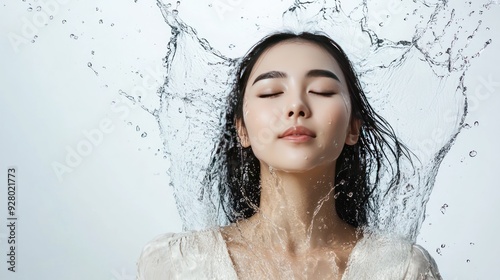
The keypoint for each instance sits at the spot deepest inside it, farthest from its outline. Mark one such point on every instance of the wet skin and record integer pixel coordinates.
(296, 119)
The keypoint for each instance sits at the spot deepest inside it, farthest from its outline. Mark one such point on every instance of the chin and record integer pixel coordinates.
(296, 162)
(292, 170)
(298, 168)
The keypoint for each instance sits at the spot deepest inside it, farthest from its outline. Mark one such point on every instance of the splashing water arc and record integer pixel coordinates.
(413, 77)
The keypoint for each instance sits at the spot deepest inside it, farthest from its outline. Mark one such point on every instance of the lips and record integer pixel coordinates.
(297, 132)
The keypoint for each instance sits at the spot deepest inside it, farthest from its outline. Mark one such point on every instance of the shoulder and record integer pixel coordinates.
(422, 265)
(414, 260)
(181, 255)
(387, 256)
(155, 261)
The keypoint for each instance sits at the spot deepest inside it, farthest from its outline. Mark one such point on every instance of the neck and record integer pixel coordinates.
(297, 211)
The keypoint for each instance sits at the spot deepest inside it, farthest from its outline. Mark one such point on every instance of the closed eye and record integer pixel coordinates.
(323, 93)
(270, 95)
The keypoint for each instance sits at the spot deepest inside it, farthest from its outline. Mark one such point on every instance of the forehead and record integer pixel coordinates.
(296, 57)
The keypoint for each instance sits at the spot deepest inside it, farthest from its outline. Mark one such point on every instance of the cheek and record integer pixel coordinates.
(260, 123)
(347, 103)
(335, 123)
(263, 114)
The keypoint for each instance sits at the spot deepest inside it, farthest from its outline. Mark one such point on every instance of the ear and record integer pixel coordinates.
(242, 134)
(353, 132)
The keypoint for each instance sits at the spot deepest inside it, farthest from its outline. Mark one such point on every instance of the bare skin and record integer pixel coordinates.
(296, 232)
(258, 249)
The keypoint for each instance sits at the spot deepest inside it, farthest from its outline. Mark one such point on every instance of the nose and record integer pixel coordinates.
(298, 108)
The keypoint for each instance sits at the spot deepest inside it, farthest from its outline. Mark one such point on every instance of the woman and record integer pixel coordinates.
(300, 155)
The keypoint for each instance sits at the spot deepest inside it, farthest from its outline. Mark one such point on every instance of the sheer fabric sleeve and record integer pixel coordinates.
(422, 266)
(188, 255)
(155, 261)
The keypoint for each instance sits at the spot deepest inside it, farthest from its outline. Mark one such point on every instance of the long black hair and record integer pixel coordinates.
(235, 171)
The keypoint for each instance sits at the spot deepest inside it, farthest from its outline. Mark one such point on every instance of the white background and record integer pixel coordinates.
(91, 223)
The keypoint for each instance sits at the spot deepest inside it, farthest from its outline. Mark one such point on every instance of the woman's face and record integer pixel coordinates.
(296, 108)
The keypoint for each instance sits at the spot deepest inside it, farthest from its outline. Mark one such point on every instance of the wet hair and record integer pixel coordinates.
(234, 171)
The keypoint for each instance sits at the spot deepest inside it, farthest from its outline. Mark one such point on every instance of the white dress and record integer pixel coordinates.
(204, 255)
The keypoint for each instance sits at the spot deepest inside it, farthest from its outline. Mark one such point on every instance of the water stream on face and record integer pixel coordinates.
(412, 59)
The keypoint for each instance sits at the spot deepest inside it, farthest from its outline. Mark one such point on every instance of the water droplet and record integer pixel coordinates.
(101, 21)
(180, 110)
(175, 12)
(271, 170)
(476, 123)
(472, 153)
(467, 126)
(350, 194)
(30, 9)
(92, 52)
(63, 21)
(51, 17)
(112, 24)
(443, 208)
(231, 46)
(472, 243)
(35, 37)
(89, 64)
(96, 9)
(137, 128)
(144, 134)
(129, 123)
(72, 36)
(438, 250)
(468, 261)
(39, 8)
(443, 245)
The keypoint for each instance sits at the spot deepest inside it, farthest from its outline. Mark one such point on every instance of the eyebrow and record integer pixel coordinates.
(311, 73)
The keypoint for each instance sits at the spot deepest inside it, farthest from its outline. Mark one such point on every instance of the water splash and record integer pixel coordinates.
(192, 100)
(443, 208)
(413, 75)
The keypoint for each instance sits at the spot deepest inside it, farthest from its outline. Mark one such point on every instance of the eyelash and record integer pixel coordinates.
(269, 95)
(324, 93)
(272, 95)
